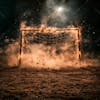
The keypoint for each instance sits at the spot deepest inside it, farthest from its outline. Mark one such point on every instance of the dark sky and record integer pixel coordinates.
(89, 11)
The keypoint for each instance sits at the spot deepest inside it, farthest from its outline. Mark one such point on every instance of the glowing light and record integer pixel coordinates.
(51, 59)
(60, 9)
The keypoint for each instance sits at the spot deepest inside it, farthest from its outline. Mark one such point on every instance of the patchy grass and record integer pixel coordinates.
(47, 84)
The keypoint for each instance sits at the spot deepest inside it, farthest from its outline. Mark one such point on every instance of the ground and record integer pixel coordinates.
(46, 84)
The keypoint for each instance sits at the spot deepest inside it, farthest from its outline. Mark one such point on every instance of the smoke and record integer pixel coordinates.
(45, 56)
(55, 14)
(59, 13)
(9, 54)
(40, 55)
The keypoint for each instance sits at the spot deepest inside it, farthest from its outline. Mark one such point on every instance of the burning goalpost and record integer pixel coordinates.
(67, 42)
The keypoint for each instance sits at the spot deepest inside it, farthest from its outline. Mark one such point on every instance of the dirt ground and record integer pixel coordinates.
(46, 84)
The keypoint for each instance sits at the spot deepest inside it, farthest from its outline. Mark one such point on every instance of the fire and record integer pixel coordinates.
(47, 29)
(51, 58)
(47, 47)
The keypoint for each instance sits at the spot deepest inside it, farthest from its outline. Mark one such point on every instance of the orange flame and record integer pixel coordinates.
(74, 32)
(56, 56)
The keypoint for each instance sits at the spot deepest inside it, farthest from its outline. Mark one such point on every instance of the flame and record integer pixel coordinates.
(47, 29)
(49, 58)
(55, 56)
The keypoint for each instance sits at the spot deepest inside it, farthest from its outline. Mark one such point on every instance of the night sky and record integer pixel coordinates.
(88, 12)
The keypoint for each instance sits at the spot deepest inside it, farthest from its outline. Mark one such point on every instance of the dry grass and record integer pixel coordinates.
(46, 84)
